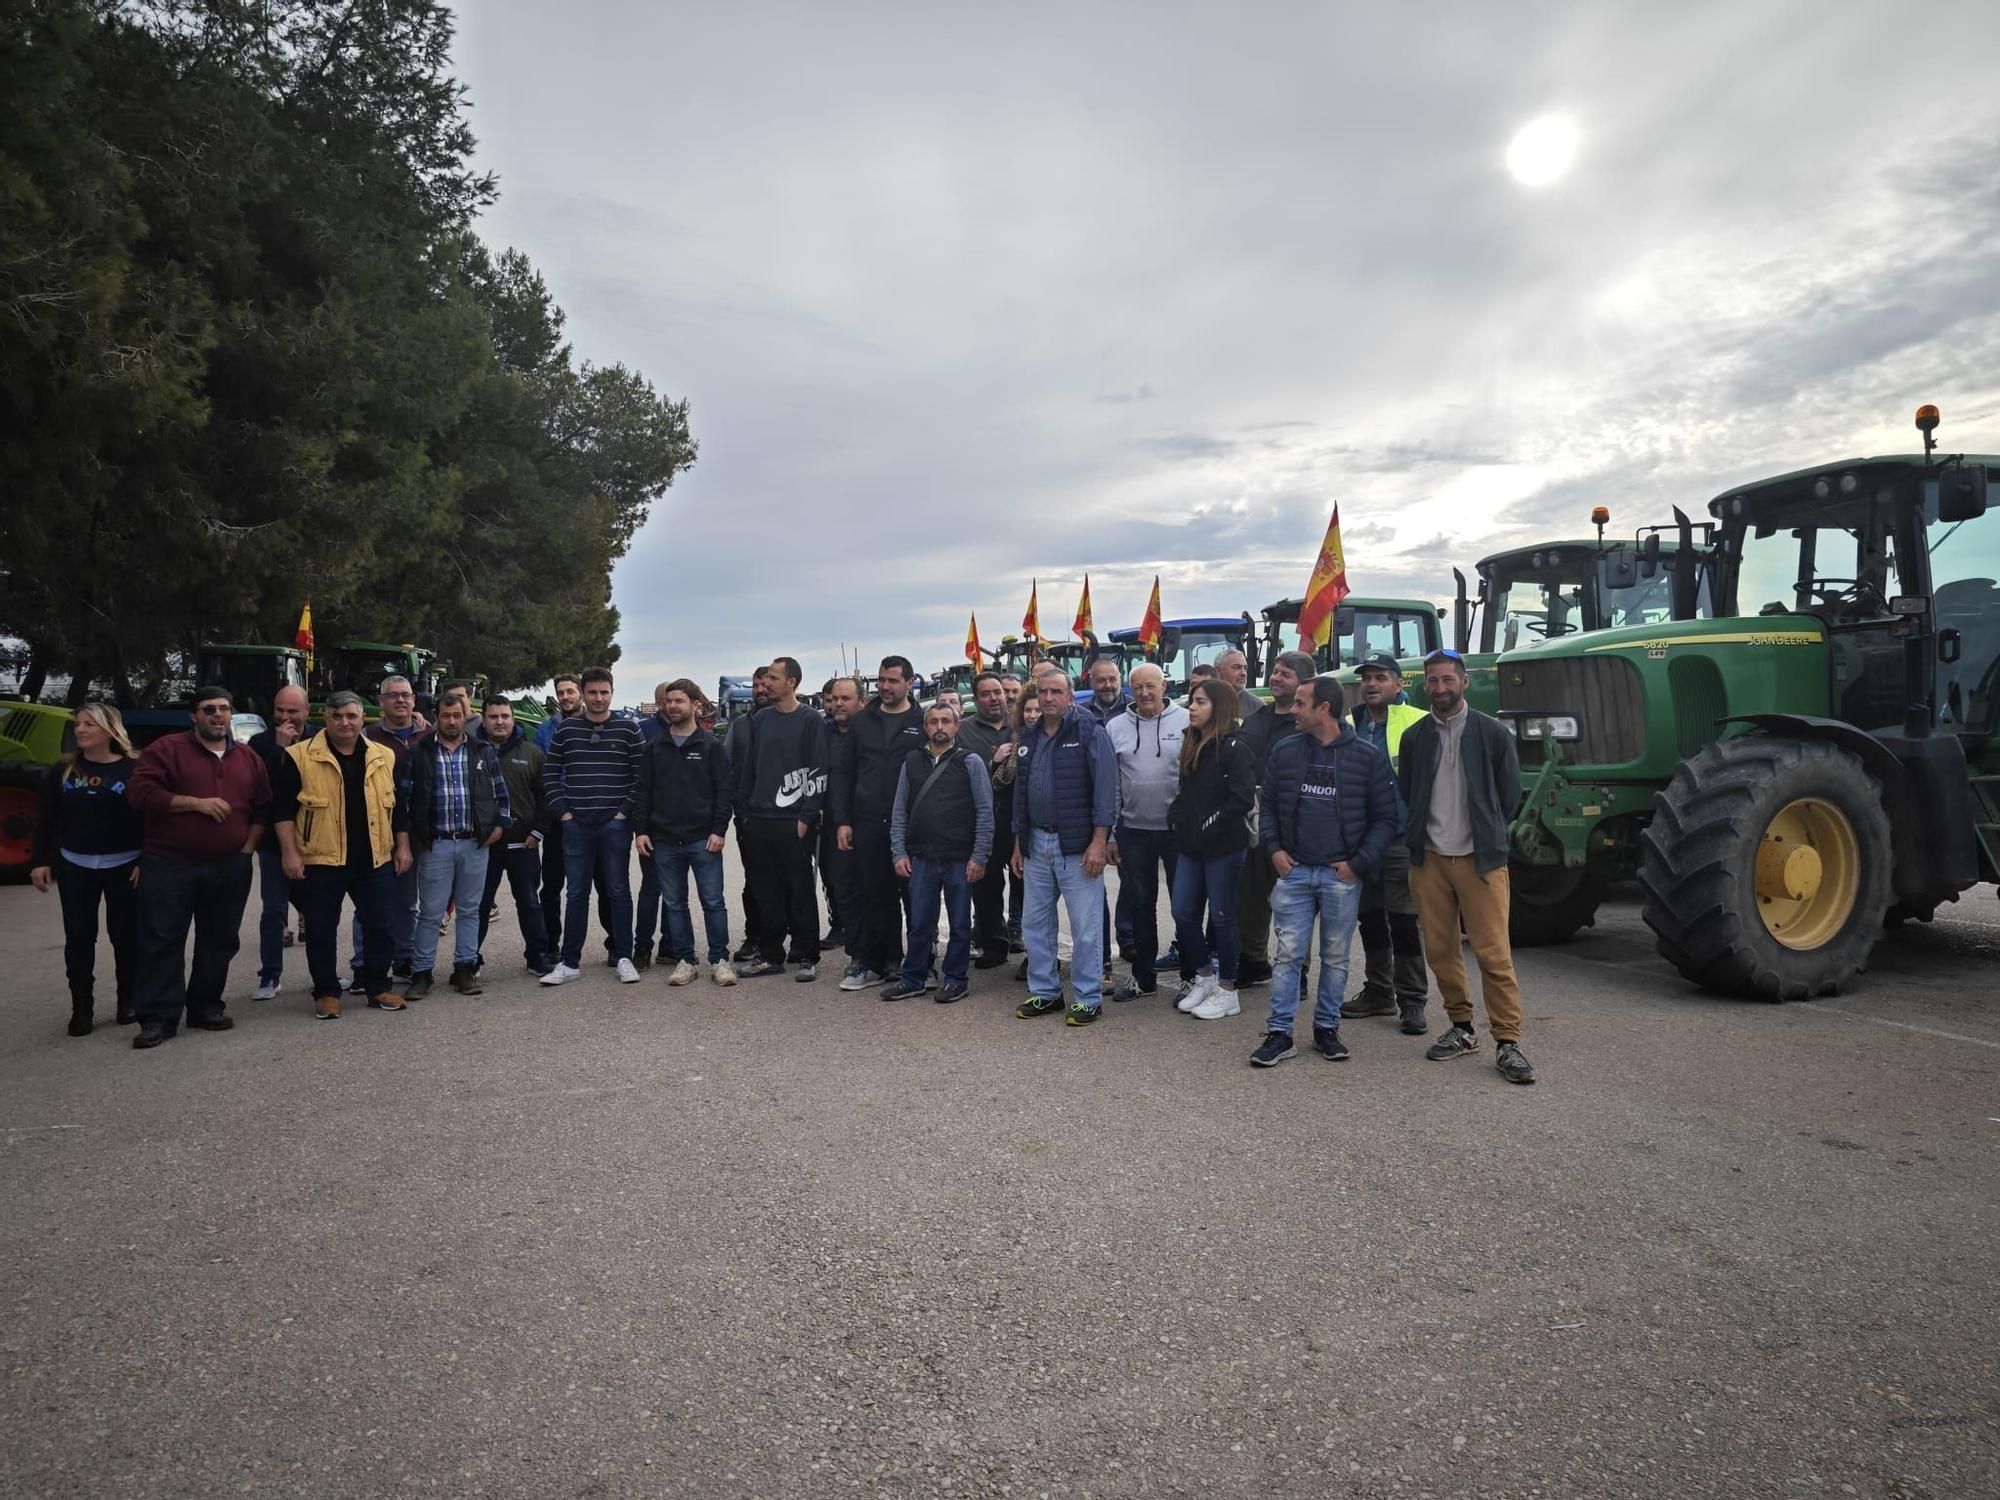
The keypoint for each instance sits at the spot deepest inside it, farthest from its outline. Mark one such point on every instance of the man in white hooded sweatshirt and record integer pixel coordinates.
(1147, 741)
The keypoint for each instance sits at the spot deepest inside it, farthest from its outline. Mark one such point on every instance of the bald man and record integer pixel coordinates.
(1146, 739)
(288, 726)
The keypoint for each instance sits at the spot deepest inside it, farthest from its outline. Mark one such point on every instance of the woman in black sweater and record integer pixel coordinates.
(87, 847)
(1210, 821)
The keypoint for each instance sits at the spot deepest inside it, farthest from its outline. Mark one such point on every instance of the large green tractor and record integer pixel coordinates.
(361, 666)
(33, 737)
(1362, 627)
(1821, 759)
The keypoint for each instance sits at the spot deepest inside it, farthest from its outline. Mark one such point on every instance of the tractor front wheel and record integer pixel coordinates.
(1767, 867)
(1550, 903)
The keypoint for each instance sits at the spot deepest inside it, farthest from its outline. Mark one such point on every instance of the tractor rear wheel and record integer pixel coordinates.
(20, 812)
(1767, 867)
(1550, 902)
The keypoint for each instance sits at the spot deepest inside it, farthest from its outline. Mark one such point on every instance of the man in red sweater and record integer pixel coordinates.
(206, 801)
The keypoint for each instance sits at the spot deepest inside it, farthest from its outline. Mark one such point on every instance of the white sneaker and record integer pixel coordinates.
(267, 990)
(627, 974)
(561, 974)
(1195, 991)
(723, 972)
(684, 973)
(1219, 1004)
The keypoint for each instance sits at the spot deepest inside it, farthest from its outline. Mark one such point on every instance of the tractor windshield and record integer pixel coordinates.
(1536, 606)
(1401, 633)
(362, 672)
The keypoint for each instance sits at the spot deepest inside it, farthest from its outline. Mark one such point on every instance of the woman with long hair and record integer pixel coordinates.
(87, 846)
(1210, 821)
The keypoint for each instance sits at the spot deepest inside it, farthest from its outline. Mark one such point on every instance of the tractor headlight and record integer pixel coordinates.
(1560, 727)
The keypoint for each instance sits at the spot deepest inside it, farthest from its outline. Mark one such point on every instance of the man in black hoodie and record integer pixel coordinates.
(780, 784)
(685, 799)
(879, 739)
(737, 743)
(1264, 725)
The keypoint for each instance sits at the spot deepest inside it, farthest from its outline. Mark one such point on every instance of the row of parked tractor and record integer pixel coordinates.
(33, 736)
(1782, 721)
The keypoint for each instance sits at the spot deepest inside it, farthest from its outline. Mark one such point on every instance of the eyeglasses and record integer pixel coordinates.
(213, 708)
(1443, 653)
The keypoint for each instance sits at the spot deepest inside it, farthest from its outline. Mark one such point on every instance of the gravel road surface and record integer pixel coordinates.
(616, 1240)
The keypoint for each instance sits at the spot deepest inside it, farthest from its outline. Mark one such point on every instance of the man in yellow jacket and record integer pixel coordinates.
(342, 834)
(1397, 980)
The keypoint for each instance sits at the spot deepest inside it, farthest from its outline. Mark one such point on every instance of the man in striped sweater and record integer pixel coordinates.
(591, 778)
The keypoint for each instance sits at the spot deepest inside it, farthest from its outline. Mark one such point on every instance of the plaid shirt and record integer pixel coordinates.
(451, 797)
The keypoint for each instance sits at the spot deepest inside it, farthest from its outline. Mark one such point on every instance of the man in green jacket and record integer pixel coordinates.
(1461, 776)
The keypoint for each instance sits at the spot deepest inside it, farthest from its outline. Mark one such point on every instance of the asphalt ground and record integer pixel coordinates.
(612, 1240)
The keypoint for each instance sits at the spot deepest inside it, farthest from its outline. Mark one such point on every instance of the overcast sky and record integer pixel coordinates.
(960, 296)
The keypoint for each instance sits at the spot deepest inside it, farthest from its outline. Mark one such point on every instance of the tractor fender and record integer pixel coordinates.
(1928, 806)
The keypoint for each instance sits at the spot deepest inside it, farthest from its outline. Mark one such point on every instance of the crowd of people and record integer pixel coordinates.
(1266, 823)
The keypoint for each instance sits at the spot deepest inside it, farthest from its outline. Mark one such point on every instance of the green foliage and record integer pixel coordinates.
(251, 351)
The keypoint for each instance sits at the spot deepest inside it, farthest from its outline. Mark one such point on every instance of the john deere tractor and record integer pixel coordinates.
(1821, 758)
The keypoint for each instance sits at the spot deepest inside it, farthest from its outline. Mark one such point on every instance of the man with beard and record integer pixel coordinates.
(780, 786)
(1264, 725)
(882, 736)
(989, 734)
(841, 701)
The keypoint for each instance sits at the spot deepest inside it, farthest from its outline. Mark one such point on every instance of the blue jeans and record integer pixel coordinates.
(1209, 881)
(1311, 891)
(650, 917)
(1141, 852)
(276, 892)
(670, 865)
(599, 847)
(1053, 874)
(450, 871)
(931, 879)
(402, 919)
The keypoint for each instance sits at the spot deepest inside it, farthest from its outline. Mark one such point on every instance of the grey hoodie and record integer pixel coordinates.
(1149, 764)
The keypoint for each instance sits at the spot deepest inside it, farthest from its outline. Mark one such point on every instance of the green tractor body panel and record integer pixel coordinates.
(33, 737)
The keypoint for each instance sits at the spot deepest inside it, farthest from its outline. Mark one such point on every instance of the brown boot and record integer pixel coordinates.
(465, 979)
(326, 1007)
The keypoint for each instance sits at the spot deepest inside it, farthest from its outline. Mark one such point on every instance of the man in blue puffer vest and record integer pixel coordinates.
(1065, 799)
(1325, 815)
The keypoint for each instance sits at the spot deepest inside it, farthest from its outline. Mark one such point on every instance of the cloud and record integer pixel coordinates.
(905, 271)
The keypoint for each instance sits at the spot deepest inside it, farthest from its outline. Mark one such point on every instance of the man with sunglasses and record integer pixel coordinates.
(1461, 777)
(206, 801)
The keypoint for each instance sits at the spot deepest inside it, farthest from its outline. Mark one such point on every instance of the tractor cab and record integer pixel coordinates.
(1190, 643)
(1545, 592)
(362, 666)
(1407, 629)
(253, 674)
(1020, 657)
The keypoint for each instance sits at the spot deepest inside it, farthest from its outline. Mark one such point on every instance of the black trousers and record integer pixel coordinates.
(989, 897)
(552, 892)
(522, 869)
(778, 864)
(836, 873)
(174, 896)
(374, 895)
(880, 899)
(82, 891)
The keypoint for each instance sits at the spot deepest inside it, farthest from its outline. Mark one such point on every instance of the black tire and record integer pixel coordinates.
(1550, 903)
(1698, 875)
(21, 785)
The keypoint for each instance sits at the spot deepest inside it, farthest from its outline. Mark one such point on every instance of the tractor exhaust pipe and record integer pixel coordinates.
(1461, 616)
(1687, 577)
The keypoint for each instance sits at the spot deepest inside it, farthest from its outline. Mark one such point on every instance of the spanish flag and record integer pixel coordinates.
(1031, 622)
(1082, 624)
(972, 652)
(1149, 628)
(1327, 588)
(303, 636)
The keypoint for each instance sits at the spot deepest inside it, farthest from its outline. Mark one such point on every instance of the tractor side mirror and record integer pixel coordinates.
(1170, 642)
(1961, 492)
(1649, 555)
(1621, 568)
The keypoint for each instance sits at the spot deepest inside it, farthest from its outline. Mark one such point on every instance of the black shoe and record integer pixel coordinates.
(1276, 1046)
(79, 1023)
(902, 989)
(127, 1017)
(1365, 1004)
(356, 987)
(744, 953)
(1327, 1042)
(834, 939)
(756, 966)
(215, 1022)
(420, 985)
(1132, 989)
(642, 958)
(951, 994)
(1459, 1041)
(1414, 1023)
(1250, 972)
(151, 1034)
(1083, 1015)
(400, 969)
(991, 958)
(1512, 1065)
(1037, 1005)
(465, 979)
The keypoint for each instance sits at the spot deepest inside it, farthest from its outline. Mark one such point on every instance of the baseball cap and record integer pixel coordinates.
(1381, 662)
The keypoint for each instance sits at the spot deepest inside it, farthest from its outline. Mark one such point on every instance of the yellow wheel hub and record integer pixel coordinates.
(1808, 874)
